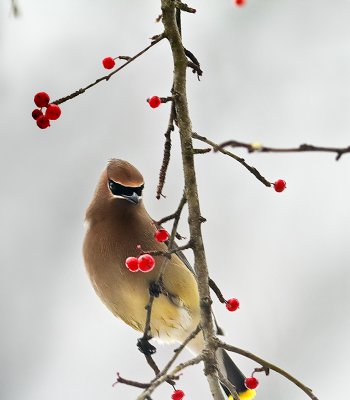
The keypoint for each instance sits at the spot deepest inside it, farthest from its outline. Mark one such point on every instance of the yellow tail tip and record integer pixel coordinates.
(247, 395)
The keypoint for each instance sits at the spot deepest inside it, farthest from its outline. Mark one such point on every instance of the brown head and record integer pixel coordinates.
(119, 187)
(124, 181)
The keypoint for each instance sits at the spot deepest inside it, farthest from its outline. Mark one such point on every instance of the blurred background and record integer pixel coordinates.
(276, 72)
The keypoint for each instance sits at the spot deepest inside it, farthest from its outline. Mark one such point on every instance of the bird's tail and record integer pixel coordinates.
(234, 375)
(227, 368)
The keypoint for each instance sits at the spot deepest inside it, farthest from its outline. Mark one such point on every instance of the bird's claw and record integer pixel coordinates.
(155, 289)
(145, 346)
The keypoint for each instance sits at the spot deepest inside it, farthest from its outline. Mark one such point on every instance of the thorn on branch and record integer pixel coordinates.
(126, 58)
(184, 7)
(201, 151)
(214, 287)
(130, 383)
(193, 63)
(166, 153)
(195, 69)
(262, 369)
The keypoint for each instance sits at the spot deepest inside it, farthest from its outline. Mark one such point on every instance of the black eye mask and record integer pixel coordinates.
(119, 190)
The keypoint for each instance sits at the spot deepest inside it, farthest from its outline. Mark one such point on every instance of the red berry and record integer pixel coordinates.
(132, 264)
(154, 101)
(41, 99)
(280, 185)
(43, 122)
(232, 304)
(178, 395)
(37, 113)
(146, 263)
(108, 62)
(251, 383)
(161, 235)
(240, 2)
(53, 111)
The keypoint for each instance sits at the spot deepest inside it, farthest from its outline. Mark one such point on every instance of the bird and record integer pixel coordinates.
(117, 225)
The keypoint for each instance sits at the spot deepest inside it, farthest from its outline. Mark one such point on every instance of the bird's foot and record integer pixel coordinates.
(155, 289)
(145, 346)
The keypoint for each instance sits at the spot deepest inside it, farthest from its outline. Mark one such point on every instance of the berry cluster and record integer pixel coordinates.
(144, 263)
(108, 62)
(53, 112)
(178, 395)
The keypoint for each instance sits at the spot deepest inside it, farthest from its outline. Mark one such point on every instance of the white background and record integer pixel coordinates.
(275, 72)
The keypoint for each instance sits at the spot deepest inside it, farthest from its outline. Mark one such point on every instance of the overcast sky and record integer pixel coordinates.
(275, 71)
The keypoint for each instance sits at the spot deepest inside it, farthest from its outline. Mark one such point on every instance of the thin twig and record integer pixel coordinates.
(166, 154)
(171, 375)
(15, 9)
(229, 386)
(257, 147)
(169, 252)
(176, 213)
(156, 40)
(214, 287)
(268, 365)
(251, 169)
(194, 63)
(130, 383)
(177, 352)
(201, 151)
(153, 365)
(184, 7)
(147, 335)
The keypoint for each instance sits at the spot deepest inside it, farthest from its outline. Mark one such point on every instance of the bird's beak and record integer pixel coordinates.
(134, 198)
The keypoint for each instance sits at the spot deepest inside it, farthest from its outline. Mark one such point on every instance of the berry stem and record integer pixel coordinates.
(267, 364)
(251, 169)
(155, 40)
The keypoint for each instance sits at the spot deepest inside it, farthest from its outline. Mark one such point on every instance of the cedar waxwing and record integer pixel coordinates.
(117, 222)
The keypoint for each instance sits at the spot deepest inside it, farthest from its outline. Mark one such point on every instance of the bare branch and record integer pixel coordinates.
(257, 147)
(155, 40)
(268, 365)
(169, 252)
(15, 9)
(229, 386)
(178, 350)
(251, 169)
(176, 214)
(180, 61)
(130, 383)
(171, 375)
